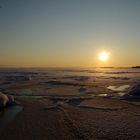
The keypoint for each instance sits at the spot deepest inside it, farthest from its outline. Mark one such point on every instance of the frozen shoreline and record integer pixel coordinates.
(73, 104)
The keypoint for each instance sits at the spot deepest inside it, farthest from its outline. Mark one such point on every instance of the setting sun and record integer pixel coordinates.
(103, 56)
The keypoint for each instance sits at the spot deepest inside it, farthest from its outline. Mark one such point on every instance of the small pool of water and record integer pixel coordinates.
(102, 95)
(121, 94)
(120, 88)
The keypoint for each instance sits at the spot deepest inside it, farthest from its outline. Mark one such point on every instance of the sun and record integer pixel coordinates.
(103, 56)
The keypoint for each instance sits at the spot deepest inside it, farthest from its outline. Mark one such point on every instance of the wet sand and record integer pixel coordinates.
(96, 119)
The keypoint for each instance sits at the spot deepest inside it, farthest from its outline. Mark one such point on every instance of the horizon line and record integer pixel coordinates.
(27, 67)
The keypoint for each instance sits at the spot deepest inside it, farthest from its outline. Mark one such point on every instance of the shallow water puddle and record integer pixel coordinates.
(120, 88)
(121, 94)
(8, 115)
(102, 95)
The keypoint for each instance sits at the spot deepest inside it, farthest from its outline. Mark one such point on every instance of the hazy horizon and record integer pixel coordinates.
(69, 33)
(12, 66)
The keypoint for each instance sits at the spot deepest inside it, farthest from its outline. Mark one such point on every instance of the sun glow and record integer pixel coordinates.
(104, 56)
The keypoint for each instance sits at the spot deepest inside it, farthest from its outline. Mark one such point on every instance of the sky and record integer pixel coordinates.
(69, 33)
